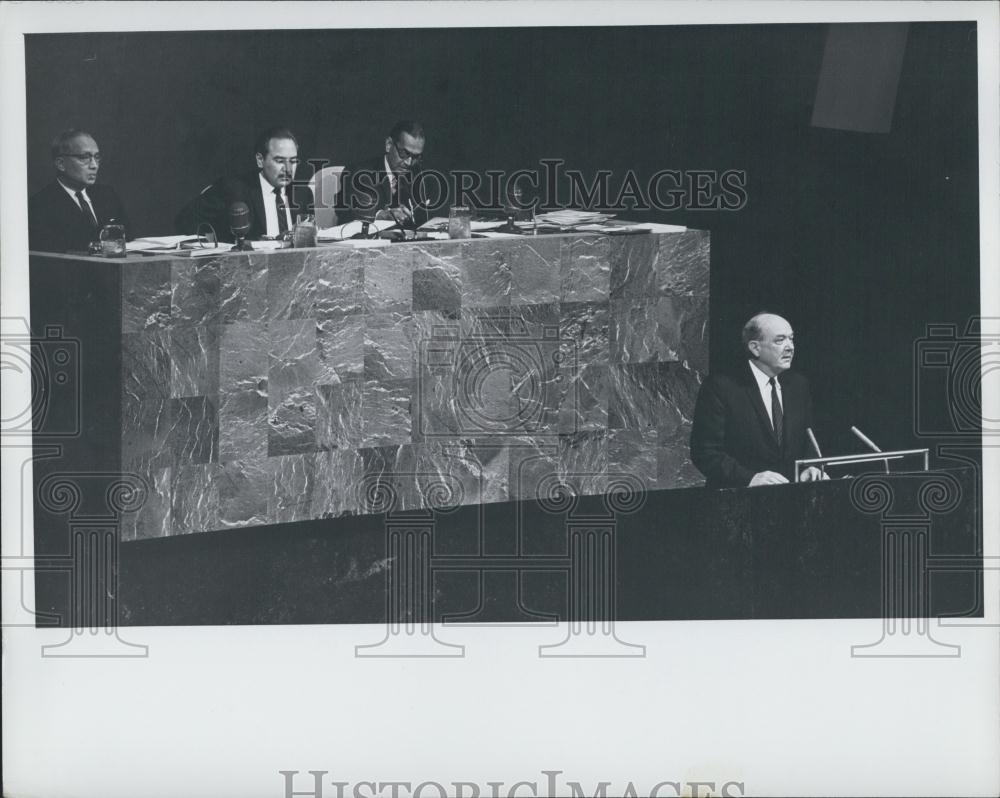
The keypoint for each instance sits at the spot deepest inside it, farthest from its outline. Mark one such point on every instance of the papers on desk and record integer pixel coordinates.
(342, 231)
(571, 218)
(204, 252)
(364, 243)
(623, 229)
(151, 243)
(441, 223)
(610, 228)
(435, 223)
(268, 244)
(662, 228)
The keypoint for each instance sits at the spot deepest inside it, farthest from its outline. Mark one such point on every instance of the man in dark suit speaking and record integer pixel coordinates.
(750, 426)
(69, 212)
(271, 195)
(387, 186)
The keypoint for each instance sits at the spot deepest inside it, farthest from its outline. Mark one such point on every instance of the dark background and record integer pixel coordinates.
(860, 239)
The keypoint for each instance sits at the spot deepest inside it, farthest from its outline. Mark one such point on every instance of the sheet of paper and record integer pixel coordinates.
(653, 227)
(441, 223)
(568, 217)
(435, 223)
(364, 243)
(204, 252)
(157, 242)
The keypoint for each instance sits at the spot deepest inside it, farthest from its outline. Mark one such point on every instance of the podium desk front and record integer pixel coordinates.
(249, 389)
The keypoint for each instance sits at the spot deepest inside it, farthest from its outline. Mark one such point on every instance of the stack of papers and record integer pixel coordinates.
(571, 218)
(152, 243)
(204, 252)
(441, 223)
(645, 227)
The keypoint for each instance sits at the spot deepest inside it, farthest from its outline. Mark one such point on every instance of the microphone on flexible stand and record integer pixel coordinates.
(867, 442)
(239, 223)
(812, 440)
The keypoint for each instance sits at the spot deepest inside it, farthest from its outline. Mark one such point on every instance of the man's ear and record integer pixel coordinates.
(754, 347)
(388, 144)
(60, 165)
(260, 161)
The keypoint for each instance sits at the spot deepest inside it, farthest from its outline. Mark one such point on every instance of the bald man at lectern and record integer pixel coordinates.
(750, 426)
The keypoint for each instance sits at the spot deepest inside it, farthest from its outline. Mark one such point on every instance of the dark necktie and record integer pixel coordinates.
(86, 210)
(282, 219)
(777, 417)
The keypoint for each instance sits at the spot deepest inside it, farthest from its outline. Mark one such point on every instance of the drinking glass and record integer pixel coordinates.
(460, 222)
(304, 234)
(112, 238)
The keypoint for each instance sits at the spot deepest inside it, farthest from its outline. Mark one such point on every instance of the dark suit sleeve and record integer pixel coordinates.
(359, 196)
(708, 439)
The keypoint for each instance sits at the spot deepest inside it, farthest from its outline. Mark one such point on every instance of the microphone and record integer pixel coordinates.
(812, 440)
(239, 223)
(865, 440)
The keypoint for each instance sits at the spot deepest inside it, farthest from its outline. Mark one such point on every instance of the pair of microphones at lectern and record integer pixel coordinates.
(877, 456)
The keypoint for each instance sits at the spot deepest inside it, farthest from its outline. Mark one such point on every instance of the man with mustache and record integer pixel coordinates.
(69, 212)
(387, 186)
(271, 195)
(750, 426)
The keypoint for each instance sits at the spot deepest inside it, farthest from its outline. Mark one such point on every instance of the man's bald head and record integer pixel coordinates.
(770, 342)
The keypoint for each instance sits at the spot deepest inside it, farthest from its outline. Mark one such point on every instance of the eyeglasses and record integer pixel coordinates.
(84, 157)
(405, 155)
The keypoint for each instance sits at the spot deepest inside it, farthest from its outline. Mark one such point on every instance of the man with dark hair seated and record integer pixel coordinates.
(274, 199)
(69, 212)
(387, 186)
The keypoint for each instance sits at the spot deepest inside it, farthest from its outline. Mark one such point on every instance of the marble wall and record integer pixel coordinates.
(270, 387)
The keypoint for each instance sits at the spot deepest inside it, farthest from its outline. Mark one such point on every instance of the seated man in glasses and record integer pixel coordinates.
(387, 186)
(69, 212)
(272, 196)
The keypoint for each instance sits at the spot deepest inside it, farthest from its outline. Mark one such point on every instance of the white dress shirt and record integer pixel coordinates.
(765, 389)
(72, 196)
(271, 207)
